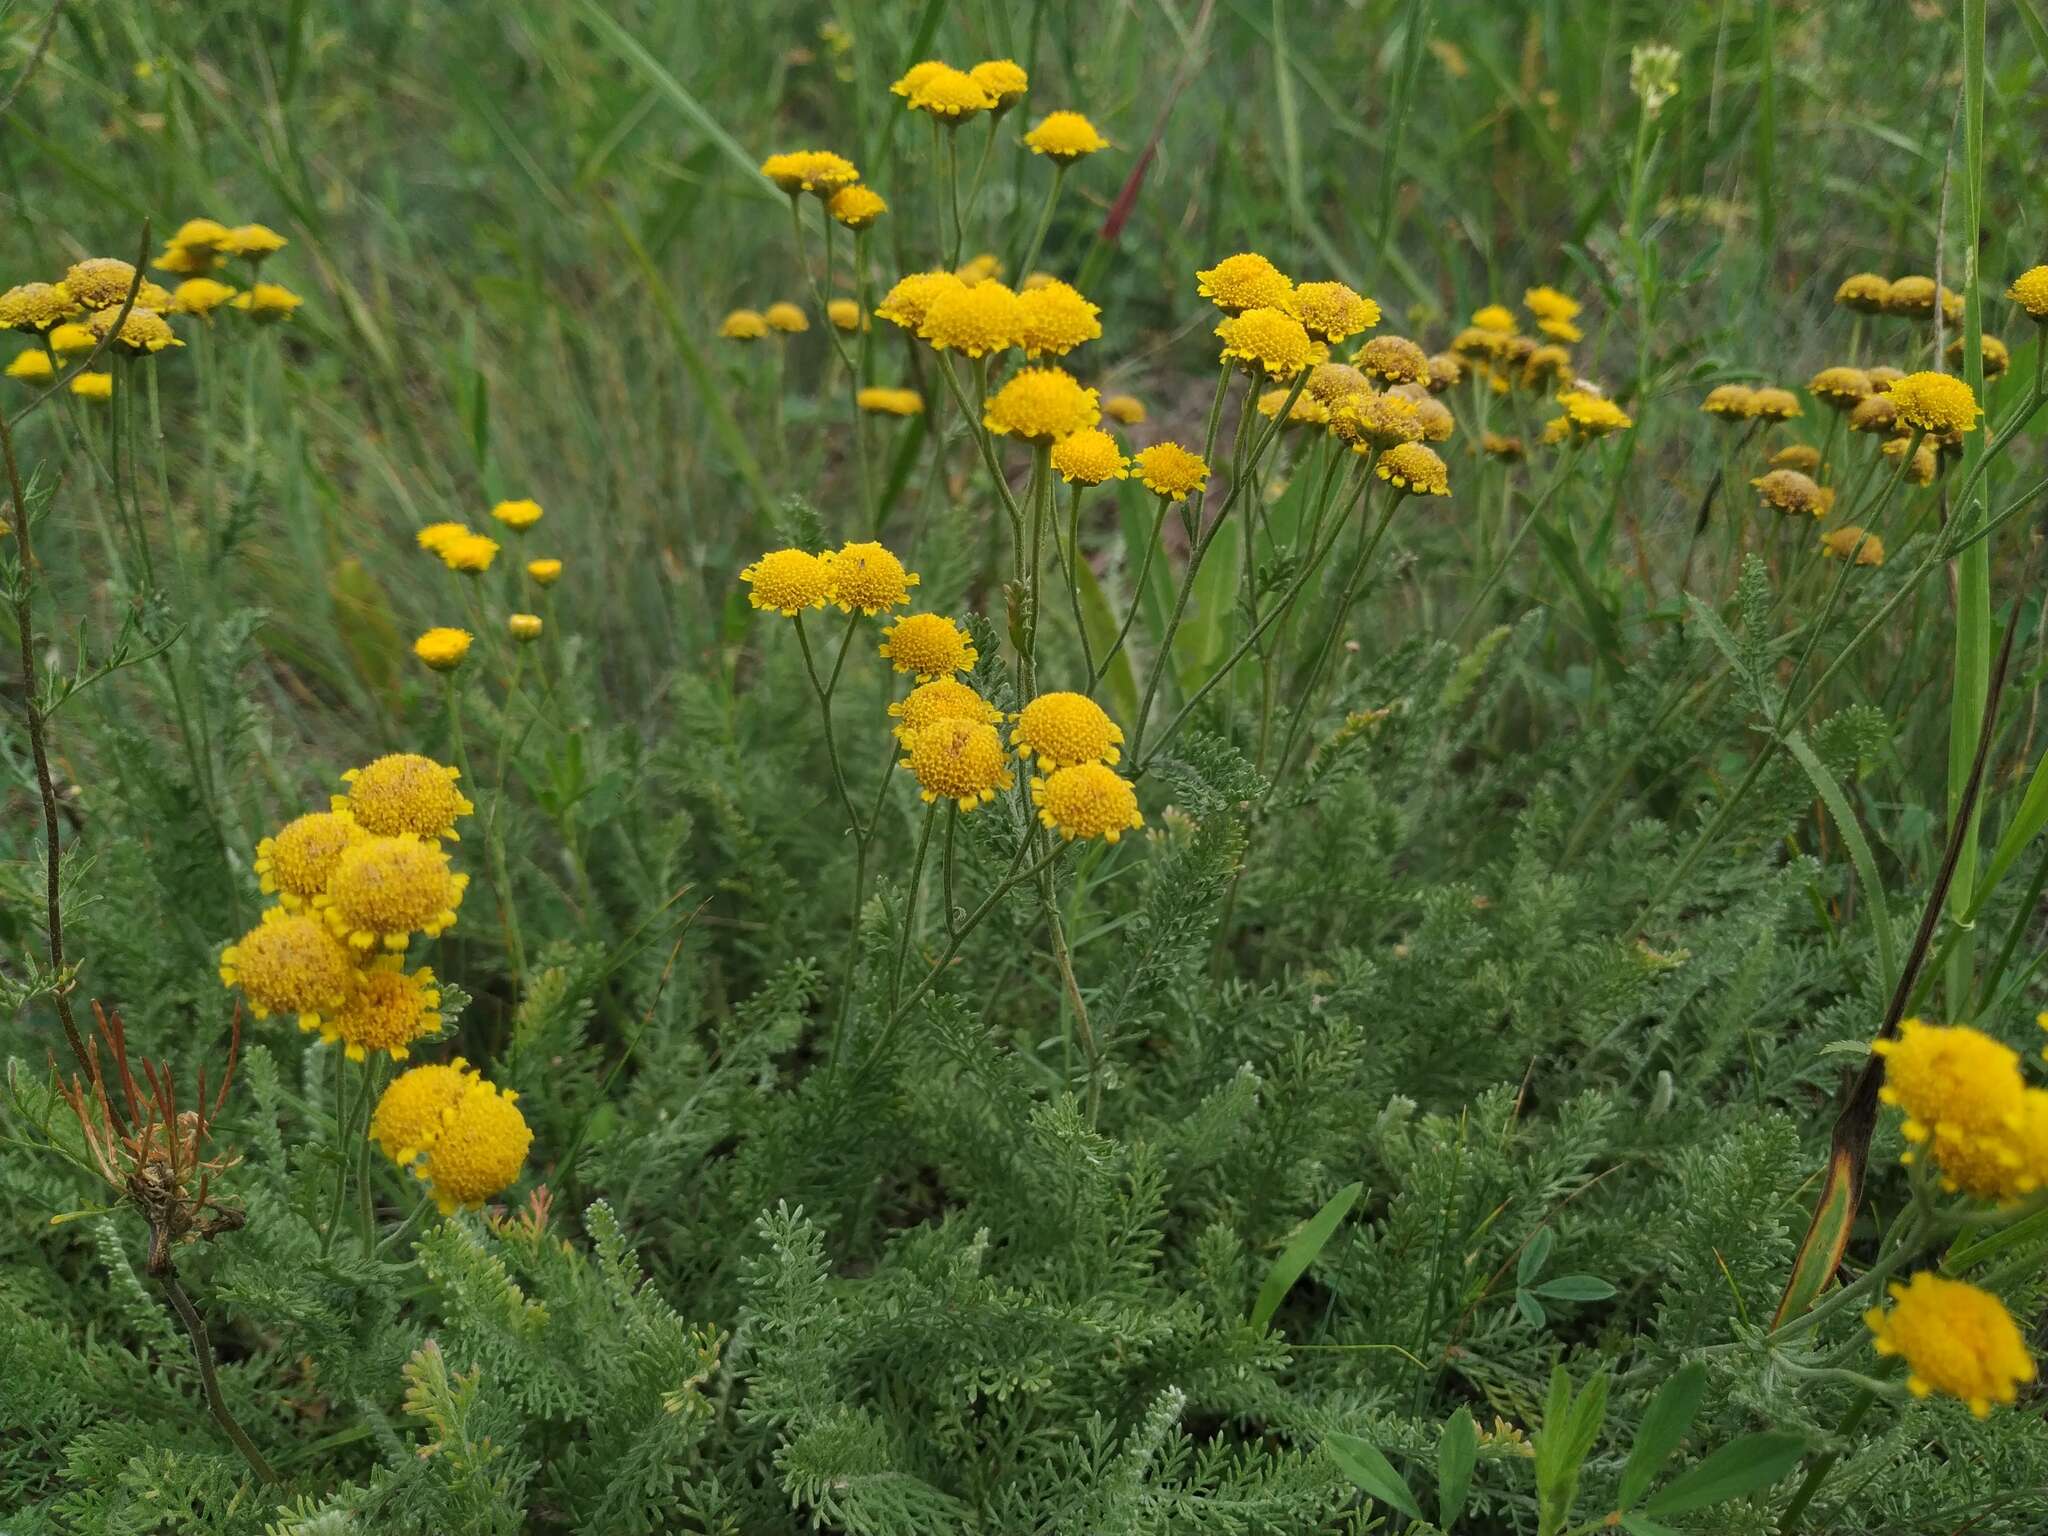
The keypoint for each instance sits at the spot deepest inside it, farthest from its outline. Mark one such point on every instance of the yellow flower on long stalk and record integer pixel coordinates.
(479, 1150)
(1089, 457)
(1939, 403)
(1245, 281)
(978, 319)
(294, 864)
(1088, 800)
(958, 759)
(1041, 405)
(928, 645)
(1266, 341)
(787, 581)
(1064, 137)
(405, 792)
(867, 578)
(943, 698)
(1169, 470)
(443, 648)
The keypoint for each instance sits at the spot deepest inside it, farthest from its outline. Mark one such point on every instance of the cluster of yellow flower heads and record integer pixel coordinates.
(951, 97)
(455, 1129)
(1984, 1129)
(462, 549)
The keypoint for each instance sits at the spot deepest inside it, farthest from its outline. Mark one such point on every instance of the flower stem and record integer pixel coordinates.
(202, 1354)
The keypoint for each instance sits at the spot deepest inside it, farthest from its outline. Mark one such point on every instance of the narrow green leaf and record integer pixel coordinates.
(1121, 679)
(1205, 631)
(1739, 1467)
(1456, 1454)
(1670, 1415)
(1643, 1525)
(1859, 854)
(1574, 1288)
(1535, 1256)
(1366, 1467)
(1300, 1252)
(630, 49)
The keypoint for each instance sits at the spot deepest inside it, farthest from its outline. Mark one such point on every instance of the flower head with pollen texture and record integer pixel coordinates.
(1956, 1340)
(1864, 292)
(1592, 415)
(1127, 409)
(817, 171)
(1266, 341)
(1435, 418)
(519, 515)
(787, 581)
(907, 303)
(1064, 137)
(928, 645)
(470, 554)
(867, 577)
(1003, 79)
(915, 76)
(1803, 457)
(37, 307)
(100, 281)
(416, 1106)
(1393, 360)
(1041, 405)
(1730, 402)
(289, 963)
(743, 325)
(1332, 382)
(857, 206)
(443, 648)
(1089, 457)
(1306, 411)
(1334, 312)
(1370, 420)
(386, 889)
(1446, 369)
(294, 865)
(405, 792)
(387, 1010)
(1054, 318)
(1935, 402)
(880, 400)
(977, 320)
(1414, 469)
(1790, 491)
(943, 698)
(1949, 1075)
(144, 330)
(959, 760)
(1773, 404)
(2030, 291)
(480, 1150)
(787, 318)
(950, 96)
(1058, 730)
(1169, 470)
(1911, 295)
(1546, 303)
(1087, 800)
(1875, 415)
(1245, 281)
(267, 303)
(200, 296)
(1839, 387)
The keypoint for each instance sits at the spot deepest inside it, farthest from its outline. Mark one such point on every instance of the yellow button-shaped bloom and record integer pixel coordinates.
(857, 206)
(480, 1150)
(471, 553)
(1841, 387)
(1334, 312)
(928, 645)
(1169, 470)
(977, 319)
(1003, 79)
(1057, 730)
(1245, 281)
(817, 171)
(1064, 137)
(254, 241)
(787, 581)
(294, 865)
(436, 537)
(1788, 490)
(385, 889)
(200, 296)
(868, 578)
(33, 365)
(1087, 800)
(1949, 1076)
(1935, 402)
(943, 698)
(743, 325)
(1414, 470)
(521, 514)
(98, 282)
(1127, 409)
(1053, 319)
(1393, 360)
(950, 96)
(908, 301)
(1041, 405)
(141, 330)
(786, 317)
(416, 1106)
(1089, 457)
(1956, 1340)
(37, 307)
(267, 303)
(1546, 303)
(1864, 292)
(879, 400)
(1266, 341)
(958, 759)
(443, 647)
(289, 963)
(387, 1010)
(1495, 317)
(1728, 401)
(405, 792)
(545, 573)
(2030, 291)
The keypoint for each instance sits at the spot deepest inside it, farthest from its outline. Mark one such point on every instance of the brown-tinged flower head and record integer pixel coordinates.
(1864, 292)
(906, 303)
(817, 171)
(976, 320)
(1333, 312)
(867, 577)
(1922, 467)
(950, 96)
(786, 317)
(857, 206)
(1730, 402)
(1913, 295)
(1129, 410)
(37, 307)
(387, 1010)
(1414, 470)
(294, 864)
(943, 698)
(1516, 351)
(1500, 446)
(743, 325)
(1307, 410)
(1054, 319)
(1446, 370)
(1951, 306)
(1245, 281)
(1370, 421)
(1876, 414)
(1996, 358)
(916, 75)
(1169, 470)
(1850, 542)
(1883, 376)
(1773, 404)
(1064, 137)
(1331, 382)
(1041, 405)
(1433, 416)
(1004, 80)
(1935, 402)
(1393, 360)
(144, 330)
(1548, 364)
(1789, 491)
(881, 400)
(1089, 457)
(1839, 387)
(2030, 291)
(1266, 341)
(1803, 457)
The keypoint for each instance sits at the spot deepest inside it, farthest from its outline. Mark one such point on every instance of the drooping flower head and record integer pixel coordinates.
(943, 698)
(1266, 341)
(405, 792)
(1956, 1340)
(387, 1010)
(1334, 312)
(289, 963)
(1087, 800)
(1414, 469)
(480, 1149)
(1803, 457)
(443, 648)
(1041, 405)
(867, 577)
(928, 645)
(1996, 356)
(1089, 457)
(1169, 470)
(1790, 491)
(957, 759)
(1053, 319)
(787, 581)
(1245, 281)
(1446, 369)
(1876, 415)
(294, 864)
(1393, 360)
(1939, 403)
(385, 889)
(1057, 730)
(1064, 137)
(977, 319)
(415, 1107)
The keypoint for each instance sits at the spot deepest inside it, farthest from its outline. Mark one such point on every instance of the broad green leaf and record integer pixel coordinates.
(1300, 1252)
(1574, 1288)
(1739, 1467)
(1669, 1416)
(1365, 1466)
(1535, 1256)
(1531, 1309)
(1456, 1454)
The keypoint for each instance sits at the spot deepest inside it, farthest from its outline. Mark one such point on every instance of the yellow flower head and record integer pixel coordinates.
(1495, 317)
(289, 963)
(253, 241)
(1913, 295)
(1956, 1340)
(1003, 79)
(480, 1150)
(1053, 319)
(867, 577)
(1561, 330)
(1548, 304)
(907, 303)
(1057, 730)
(1839, 387)
(743, 325)
(1266, 341)
(979, 268)
(1728, 401)
(2030, 291)
(928, 645)
(144, 330)
(1592, 415)
(186, 261)
(1476, 343)
(1790, 491)
(857, 206)
(1997, 358)
(1434, 417)
(1127, 409)
(1773, 404)
(436, 537)
(1549, 364)
(1087, 800)
(294, 865)
(37, 307)
(1089, 457)
(200, 296)
(950, 96)
(1245, 281)
(1169, 470)
(545, 573)
(1393, 360)
(405, 792)
(1370, 420)
(1412, 468)
(1935, 402)
(1865, 292)
(1949, 1079)
(34, 365)
(1876, 415)
(1803, 457)
(943, 698)
(71, 338)
(1307, 410)
(786, 317)
(442, 647)
(471, 554)
(1506, 449)
(93, 386)
(1334, 312)
(877, 400)
(1041, 405)
(844, 314)
(787, 581)
(916, 76)
(977, 320)
(387, 1009)
(521, 514)
(1922, 467)
(386, 889)
(267, 303)
(961, 760)
(817, 171)
(1446, 369)
(1064, 137)
(202, 235)
(98, 282)
(524, 627)
(1332, 382)
(416, 1106)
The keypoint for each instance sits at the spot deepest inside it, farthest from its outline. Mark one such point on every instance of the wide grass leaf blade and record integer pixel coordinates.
(1670, 1415)
(1365, 1466)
